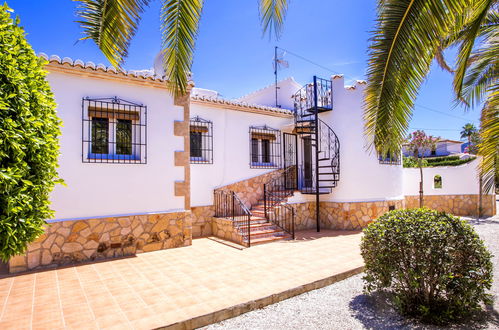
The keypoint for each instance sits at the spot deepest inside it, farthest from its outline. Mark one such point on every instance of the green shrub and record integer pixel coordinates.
(452, 162)
(413, 162)
(434, 264)
(437, 161)
(432, 160)
(29, 130)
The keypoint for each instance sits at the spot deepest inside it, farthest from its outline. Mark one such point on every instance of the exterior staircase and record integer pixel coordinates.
(321, 172)
(261, 230)
(252, 226)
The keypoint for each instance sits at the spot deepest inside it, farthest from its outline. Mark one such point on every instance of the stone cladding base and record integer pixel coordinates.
(73, 241)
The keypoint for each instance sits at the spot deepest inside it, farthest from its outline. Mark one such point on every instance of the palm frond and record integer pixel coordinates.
(179, 27)
(439, 56)
(489, 135)
(482, 72)
(111, 24)
(473, 21)
(407, 34)
(272, 15)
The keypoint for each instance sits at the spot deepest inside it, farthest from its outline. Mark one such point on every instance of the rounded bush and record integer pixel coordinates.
(434, 264)
(29, 148)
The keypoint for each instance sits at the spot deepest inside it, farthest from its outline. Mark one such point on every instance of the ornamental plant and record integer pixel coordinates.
(433, 263)
(420, 143)
(29, 130)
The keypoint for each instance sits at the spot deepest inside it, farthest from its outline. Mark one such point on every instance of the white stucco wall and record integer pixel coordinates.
(266, 96)
(115, 189)
(231, 149)
(456, 180)
(362, 177)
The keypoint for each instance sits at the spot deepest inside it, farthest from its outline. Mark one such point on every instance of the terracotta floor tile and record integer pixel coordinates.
(147, 323)
(138, 313)
(90, 325)
(160, 288)
(74, 320)
(108, 321)
(18, 324)
(53, 323)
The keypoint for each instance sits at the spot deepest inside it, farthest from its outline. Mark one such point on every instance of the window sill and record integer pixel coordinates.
(263, 165)
(112, 157)
(200, 160)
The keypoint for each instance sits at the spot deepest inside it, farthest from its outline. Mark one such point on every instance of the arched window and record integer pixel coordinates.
(437, 182)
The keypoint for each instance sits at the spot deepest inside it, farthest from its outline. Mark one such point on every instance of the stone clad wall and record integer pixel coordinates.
(352, 216)
(68, 242)
(341, 216)
(251, 190)
(304, 215)
(201, 220)
(462, 205)
(223, 228)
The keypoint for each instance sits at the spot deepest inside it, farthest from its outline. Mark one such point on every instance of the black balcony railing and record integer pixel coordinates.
(229, 206)
(318, 93)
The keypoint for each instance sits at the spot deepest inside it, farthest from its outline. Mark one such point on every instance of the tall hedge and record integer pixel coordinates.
(29, 130)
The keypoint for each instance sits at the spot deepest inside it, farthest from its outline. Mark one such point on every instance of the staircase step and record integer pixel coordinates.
(270, 239)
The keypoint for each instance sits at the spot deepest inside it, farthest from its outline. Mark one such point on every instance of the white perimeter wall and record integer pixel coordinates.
(231, 153)
(115, 189)
(456, 180)
(362, 177)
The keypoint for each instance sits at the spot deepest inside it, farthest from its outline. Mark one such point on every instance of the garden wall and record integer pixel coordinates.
(67, 242)
(462, 205)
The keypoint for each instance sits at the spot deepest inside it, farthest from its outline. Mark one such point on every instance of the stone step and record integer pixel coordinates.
(270, 239)
(270, 231)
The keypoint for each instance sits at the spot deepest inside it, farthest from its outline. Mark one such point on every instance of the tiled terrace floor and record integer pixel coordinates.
(164, 287)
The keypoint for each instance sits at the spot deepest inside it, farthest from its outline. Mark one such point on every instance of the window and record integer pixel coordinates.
(265, 147)
(113, 131)
(201, 137)
(389, 159)
(437, 182)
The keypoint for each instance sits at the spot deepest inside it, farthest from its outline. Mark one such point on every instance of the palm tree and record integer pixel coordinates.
(409, 35)
(111, 24)
(467, 132)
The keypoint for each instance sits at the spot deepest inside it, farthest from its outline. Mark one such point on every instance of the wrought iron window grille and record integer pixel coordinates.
(201, 141)
(389, 159)
(265, 147)
(113, 131)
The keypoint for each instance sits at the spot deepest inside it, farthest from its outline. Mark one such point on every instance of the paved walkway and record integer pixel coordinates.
(166, 287)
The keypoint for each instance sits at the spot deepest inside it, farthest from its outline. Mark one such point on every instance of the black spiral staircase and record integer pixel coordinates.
(319, 171)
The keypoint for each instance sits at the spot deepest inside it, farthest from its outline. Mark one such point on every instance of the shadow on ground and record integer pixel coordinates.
(375, 311)
(308, 235)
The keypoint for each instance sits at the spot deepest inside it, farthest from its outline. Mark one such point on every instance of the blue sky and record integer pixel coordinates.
(233, 57)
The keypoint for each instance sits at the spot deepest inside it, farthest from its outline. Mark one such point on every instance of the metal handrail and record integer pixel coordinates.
(228, 205)
(274, 193)
(332, 148)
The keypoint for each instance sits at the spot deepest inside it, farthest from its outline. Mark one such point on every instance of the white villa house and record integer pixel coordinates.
(145, 171)
(443, 147)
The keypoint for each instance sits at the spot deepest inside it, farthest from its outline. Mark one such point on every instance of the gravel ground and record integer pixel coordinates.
(343, 305)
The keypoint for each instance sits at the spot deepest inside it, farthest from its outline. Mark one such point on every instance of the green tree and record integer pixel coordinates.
(29, 130)
(420, 143)
(409, 35)
(467, 132)
(111, 24)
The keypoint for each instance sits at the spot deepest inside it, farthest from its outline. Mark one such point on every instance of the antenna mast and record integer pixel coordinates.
(275, 75)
